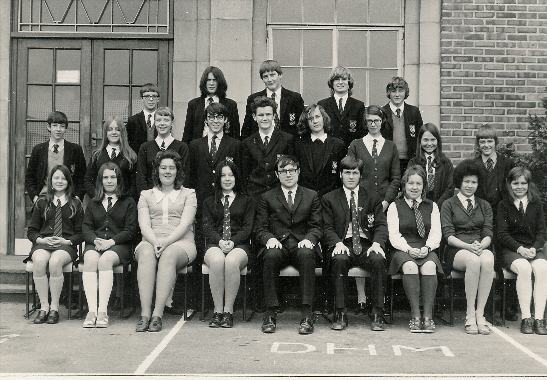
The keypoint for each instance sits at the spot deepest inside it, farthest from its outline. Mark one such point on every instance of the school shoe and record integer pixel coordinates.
(415, 325)
(41, 317)
(155, 324)
(471, 326)
(53, 317)
(173, 309)
(227, 321)
(306, 326)
(340, 321)
(428, 325)
(216, 320)
(142, 324)
(540, 327)
(484, 328)
(102, 320)
(527, 326)
(90, 320)
(268, 324)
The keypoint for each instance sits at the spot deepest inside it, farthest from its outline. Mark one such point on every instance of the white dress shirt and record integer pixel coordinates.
(369, 143)
(105, 200)
(168, 141)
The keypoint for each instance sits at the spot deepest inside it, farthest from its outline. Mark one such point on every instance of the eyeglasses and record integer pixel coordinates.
(375, 121)
(150, 97)
(287, 171)
(215, 117)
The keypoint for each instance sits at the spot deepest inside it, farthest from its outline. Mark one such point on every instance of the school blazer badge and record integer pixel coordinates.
(370, 219)
(353, 126)
(292, 119)
(412, 128)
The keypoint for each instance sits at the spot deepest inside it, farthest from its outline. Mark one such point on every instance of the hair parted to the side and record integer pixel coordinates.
(149, 87)
(57, 117)
(517, 172)
(420, 153)
(486, 131)
(284, 160)
(270, 65)
(414, 169)
(395, 83)
(99, 188)
(263, 101)
(69, 192)
(163, 155)
(351, 163)
(303, 126)
(341, 72)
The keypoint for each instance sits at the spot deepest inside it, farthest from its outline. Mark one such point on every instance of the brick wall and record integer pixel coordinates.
(493, 69)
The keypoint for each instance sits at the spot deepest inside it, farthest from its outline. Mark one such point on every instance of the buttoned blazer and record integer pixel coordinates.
(327, 177)
(119, 223)
(337, 216)
(136, 131)
(36, 175)
(291, 107)
(413, 123)
(195, 119)
(258, 162)
(349, 125)
(502, 168)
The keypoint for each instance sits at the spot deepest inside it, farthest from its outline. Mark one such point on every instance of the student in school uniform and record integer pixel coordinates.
(317, 151)
(110, 224)
(55, 231)
(140, 127)
(289, 104)
(345, 112)
(56, 151)
(213, 89)
(403, 120)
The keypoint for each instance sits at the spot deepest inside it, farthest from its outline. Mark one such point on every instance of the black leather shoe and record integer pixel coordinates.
(306, 326)
(377, 322)
(511, 314)
(540, 327)
(142, 324)
(173, 310)
(340, 321)
(227, 320)
(41, 317)
(216, 320)
(53, 317)
(527, 326)
(268, 324)
(361, 308)
(155, 324)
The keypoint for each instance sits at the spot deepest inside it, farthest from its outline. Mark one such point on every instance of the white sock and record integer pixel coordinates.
(56, 286)
(89, 280)
(106, 280)
(42, 288)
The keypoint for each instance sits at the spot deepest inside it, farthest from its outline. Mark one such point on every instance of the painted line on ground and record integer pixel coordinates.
(141, 370)
(519, 346)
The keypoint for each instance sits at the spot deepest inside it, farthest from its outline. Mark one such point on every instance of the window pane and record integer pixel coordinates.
(116, 66)
(40, 65)
(68, 66)
(359, 84)
(116, 102)
(383, 49)
(319, 11)
(317, 47)
(67, 99)
(378, 14)
(315, 85)
(39, 102)
(352, 48)
(377, 86)
(351, 11)
(36, 133)
(291, 79)
(145, 66)
(73, 133)
(286, 46)
(136, 101)
(285, 11)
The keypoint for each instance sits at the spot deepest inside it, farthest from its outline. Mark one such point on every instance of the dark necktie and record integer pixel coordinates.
(162, 146)
(430, 174)
(210, 100)
(489, 165)
(149, 121)
(469, 206)
(113, 155)
(521, 208)
(273, 96)
(356, 239)
(419, 219)
(226, 230)
(374, 148)
(266, 141)
(398, 112)
(213, 151)
(58, 227)
(276, 113)
(340, 107)
(290, 200)
(109, 205)
(55, 148)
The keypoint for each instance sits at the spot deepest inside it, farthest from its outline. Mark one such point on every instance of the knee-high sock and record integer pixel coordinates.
(411, 283)
(524, 292)
(56, 286)
(89, 280)
(429, 287)
(106, 280)
(42, 288)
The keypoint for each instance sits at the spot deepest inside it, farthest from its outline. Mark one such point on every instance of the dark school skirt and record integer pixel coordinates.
(122, 250)
(399, 258)
(510, 256)
(72, 251)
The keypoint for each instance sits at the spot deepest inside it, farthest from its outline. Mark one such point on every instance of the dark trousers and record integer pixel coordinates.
(275, 259)
(374, 263)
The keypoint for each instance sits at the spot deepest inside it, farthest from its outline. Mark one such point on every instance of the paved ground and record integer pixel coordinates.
(192, 348)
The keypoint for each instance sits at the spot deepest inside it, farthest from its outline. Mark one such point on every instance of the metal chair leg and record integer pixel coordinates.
(202, 317)
(80, 297)
(451, 291)
(27, 315)
(244, 298)
(70, 295)
(122, 291)
(503, 301)
(185, 295)
(391, 302)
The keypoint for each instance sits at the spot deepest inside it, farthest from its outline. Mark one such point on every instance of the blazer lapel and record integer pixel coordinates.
(281, 198)
(307, 152)
(221, 149)
(272, 142)
(297, 198)
(283, 104)
(345, 209)
(334, 107)
(326, 156)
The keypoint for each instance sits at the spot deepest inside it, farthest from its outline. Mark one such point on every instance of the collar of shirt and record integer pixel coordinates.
(426, 156)
(109, 149)
(105, 200)
(215, 100)
(231, 196)
(344, 99)
(263, 136)
(60, 143)
(286, 192)
(348, 194)
(409, 202)
(277, 94)
(146, 113)
(394, 108)
(463, 199)
(368, 140)
(160, 195)
(323, 137)
(168, 140)
(524, 202)
(494, 158)
(63, 199)
(210, 138)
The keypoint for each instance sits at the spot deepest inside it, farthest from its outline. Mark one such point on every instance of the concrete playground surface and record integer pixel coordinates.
(192, 349)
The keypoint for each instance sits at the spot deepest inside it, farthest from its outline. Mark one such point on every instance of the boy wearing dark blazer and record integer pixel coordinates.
(56, 151)
(289, 103)
(355, 233)
(403, 120)
(289, 226)
(140, 127)
(345, 112)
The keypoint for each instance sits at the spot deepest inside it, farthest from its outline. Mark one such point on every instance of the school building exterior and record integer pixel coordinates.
(468, 62)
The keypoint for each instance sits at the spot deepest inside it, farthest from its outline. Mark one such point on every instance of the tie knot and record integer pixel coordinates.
(55, 148)
(109, 199)
(429, 159)
(273, 95)
(226, 198)
(352, 193)
(414, 203)
(58, 203)
(375, 141)
(214, 136)
(210, 100)
(398, 111)
(469, 203)
(290, 192)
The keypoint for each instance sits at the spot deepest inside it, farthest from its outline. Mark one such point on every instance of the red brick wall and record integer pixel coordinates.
(493, 69)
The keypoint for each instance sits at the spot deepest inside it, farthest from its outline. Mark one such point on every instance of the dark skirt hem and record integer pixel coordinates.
(399, 258)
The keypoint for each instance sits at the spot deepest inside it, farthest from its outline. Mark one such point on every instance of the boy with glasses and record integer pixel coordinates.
(140, 127)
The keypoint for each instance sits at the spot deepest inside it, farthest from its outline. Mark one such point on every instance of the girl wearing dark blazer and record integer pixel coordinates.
(55, 231)
(110, 223)
(116, 149)
(227, 224)
(521, 240)
(438, 167)
(467, 227)
(213, 89)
